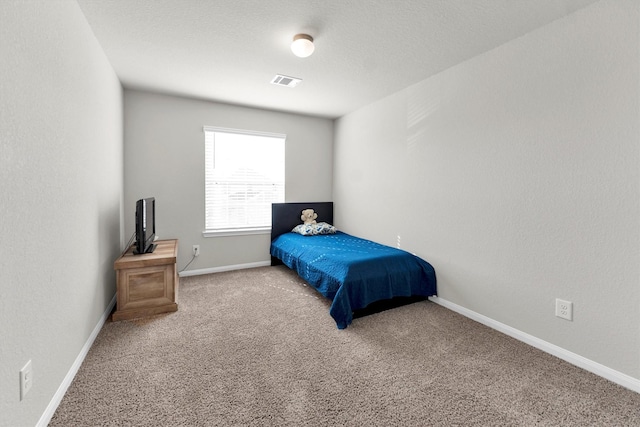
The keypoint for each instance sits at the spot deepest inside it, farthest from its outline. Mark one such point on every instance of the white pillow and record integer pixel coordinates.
(314, 229)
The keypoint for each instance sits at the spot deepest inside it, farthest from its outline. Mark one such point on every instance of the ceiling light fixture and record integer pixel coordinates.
(302, 45)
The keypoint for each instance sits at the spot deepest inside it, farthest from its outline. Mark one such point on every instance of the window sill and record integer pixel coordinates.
(236, 232)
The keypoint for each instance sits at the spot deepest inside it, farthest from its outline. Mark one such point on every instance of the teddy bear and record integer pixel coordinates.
(309, 216)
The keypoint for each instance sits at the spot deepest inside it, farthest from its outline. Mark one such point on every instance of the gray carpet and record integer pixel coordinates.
(258, 347)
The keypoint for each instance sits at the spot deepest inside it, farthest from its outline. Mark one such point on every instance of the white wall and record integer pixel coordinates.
(60, 196)
(167, 132)
(516, 174)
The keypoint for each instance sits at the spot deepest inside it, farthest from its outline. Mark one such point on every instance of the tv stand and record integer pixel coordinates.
(147, 284)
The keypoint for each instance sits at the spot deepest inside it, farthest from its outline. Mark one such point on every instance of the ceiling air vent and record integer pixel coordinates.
(287, 81)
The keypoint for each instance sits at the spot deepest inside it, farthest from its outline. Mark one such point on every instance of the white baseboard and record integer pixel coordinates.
(224, 268)
(59, 394)
(575, 359)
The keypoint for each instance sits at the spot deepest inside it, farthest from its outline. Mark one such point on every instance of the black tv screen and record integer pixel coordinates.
(145, 226)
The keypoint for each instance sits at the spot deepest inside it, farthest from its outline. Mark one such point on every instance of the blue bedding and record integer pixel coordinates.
(354, 272)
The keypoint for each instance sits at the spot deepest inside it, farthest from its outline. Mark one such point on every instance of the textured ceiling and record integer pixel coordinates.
(229, 50)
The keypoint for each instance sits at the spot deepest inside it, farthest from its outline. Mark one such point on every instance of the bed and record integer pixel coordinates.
(357, 275)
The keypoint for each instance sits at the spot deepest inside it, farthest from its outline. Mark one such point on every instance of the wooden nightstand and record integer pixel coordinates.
(147, 284)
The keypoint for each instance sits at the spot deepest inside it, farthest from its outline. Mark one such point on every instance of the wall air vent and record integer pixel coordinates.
(287, 81)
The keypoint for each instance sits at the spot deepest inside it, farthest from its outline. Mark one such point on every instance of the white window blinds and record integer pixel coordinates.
(244, 174)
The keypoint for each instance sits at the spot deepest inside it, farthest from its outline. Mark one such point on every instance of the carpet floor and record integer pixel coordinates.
(258, 348)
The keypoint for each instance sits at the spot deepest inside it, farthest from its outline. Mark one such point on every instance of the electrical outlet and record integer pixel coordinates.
(196, 250)
(564, 309)
(26, 379)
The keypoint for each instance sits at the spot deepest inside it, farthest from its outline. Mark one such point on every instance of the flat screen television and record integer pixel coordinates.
(145, 226)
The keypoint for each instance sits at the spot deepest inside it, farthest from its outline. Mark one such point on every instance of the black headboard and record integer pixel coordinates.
(285, 216)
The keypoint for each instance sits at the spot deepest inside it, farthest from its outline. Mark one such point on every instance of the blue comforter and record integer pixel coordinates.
(354, 272)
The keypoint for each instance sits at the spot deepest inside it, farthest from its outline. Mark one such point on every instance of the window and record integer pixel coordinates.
(244, 174)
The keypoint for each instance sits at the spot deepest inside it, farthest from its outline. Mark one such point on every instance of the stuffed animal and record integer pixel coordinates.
(309, 216)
